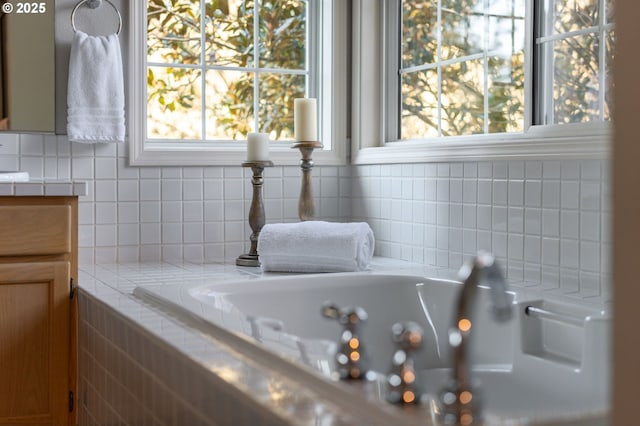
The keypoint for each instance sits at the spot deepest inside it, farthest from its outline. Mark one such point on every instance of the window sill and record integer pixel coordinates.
(543, 142)
(230, 154)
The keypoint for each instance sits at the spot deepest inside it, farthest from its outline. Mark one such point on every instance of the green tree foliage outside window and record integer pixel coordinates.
(209, 73)
(463, 65)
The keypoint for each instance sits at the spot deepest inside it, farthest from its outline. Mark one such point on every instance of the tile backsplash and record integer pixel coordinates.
(547, 221)
(171, 213)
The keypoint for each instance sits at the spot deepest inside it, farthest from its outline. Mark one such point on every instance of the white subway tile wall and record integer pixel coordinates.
(547, 221)
(147, 214)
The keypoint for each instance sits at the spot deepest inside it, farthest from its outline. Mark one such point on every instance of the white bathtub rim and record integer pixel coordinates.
(245, 347)
(353, 402)
(381, 414)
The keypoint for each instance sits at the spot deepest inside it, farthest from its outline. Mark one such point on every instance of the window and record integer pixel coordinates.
(483, 78)
(219, 70)
(461, 67)
(207, 72)
(573, 58)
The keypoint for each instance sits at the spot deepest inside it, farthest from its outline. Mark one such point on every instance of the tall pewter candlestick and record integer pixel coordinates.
(256, 213)
(306, 209)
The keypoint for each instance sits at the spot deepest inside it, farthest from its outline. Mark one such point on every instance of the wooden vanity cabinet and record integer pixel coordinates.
(38, 320)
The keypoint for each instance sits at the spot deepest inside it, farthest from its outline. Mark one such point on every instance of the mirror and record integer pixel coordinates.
(27, 67)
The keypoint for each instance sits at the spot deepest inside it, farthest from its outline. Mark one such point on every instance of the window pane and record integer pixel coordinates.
(282, 34)
(229, 104)
(506, 8)
(573, 15)
(277, 92)
(506, 94)
(463, 98)
(506, 30)
(229, 32)
(419, 104)
(173, 30)
(419, 42)
(173, 103)
(608, 104)
(481, 94)
(576, 85)
(463, 28)
(506, 66)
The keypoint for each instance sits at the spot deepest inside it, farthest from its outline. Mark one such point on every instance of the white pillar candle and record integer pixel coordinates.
(305, 120)
(257, 147)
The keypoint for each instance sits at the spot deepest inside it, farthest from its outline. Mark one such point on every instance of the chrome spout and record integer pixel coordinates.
(461, 402)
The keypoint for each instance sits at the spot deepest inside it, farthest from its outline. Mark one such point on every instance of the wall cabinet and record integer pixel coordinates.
(38, 263)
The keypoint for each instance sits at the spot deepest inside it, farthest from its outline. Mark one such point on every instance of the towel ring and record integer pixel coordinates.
(93, 4)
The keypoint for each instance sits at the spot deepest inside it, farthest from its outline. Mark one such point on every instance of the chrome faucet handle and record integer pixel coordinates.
(351, 359)
(402, 384)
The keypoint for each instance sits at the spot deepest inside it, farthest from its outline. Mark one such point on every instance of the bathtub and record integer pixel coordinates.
(548, 366)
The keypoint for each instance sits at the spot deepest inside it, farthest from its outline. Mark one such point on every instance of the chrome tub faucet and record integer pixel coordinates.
(461, 402)
(351, 359)
(403, 386)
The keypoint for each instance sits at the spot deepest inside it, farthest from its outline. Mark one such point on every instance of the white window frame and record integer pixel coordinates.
(333, 107)
(369, 144)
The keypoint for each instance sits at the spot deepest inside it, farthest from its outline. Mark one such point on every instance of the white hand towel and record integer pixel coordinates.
(315, 246)
(95, 96)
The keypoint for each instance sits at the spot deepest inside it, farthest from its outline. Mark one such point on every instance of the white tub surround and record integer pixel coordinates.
(138, 364)
(249, 385)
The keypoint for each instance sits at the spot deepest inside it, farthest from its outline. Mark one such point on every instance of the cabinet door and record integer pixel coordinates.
(34, 343)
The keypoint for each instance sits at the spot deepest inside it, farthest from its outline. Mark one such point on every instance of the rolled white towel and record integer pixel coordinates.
(316, 246)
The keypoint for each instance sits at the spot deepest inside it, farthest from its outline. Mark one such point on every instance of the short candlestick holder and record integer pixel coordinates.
(256, 213)
(306, 208)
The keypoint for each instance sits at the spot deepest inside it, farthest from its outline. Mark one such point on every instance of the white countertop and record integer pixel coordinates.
(54, 188)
